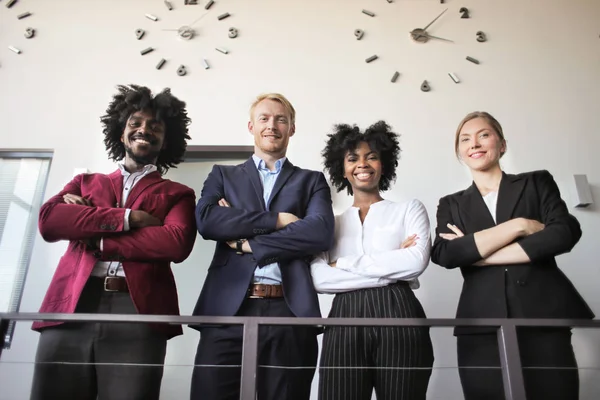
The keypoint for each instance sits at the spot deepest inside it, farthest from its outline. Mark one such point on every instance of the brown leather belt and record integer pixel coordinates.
(262, 291)
(115, 284)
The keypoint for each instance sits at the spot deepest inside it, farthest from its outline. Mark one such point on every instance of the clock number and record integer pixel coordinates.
(209, 4)
(395, 76)
(372, 58)
(481, 37)
(29, 33)
(10, 3)
(358, 33)
(221, 50)
(205, 63)
(146, 51)
(139, 33)
(152, 17)
(464, 11)
(425, 86)
(12, 48)
(191, 2)
(161, 63)
(181, 71)
(223, 16)
(168, 5)
(233, 32)
(473, 60)
(24, 15)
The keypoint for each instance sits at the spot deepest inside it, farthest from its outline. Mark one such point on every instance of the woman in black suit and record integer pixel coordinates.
(503, 232)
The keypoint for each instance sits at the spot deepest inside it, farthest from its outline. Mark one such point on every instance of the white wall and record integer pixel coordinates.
(539, 75)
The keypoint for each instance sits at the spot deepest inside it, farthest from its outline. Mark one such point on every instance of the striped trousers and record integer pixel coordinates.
(395, 361)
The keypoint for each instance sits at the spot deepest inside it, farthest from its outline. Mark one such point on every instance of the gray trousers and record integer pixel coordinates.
(104, 361)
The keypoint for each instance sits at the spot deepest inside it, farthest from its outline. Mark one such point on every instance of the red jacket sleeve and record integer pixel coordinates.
(171, 242)
(61, 221)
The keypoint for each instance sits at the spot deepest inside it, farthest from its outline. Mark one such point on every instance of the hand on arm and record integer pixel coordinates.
(221, 223)
(407, 261)
(70, 216)
(299, 237)
(171, 241)
(508, 254)
(561, 230)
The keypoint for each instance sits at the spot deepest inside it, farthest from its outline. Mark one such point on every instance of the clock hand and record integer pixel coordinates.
(197, 20)
(190, 25)
(435, 37)
(435, 19)
(429, 24)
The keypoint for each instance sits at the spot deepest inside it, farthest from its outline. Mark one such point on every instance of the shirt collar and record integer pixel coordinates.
(146, 170)
(260, 164)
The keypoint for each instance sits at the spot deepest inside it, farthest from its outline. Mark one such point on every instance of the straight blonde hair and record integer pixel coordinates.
(278, 98)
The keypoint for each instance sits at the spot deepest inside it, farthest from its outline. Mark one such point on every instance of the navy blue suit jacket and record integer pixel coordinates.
(298, 191)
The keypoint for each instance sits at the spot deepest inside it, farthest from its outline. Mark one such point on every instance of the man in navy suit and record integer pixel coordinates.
(268, 218)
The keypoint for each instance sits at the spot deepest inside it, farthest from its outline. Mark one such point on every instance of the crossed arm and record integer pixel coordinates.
(69, 216)
(516, 241)
(271, 236)
(359, 271)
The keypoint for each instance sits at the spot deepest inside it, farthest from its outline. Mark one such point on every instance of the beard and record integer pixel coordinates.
(149, 157)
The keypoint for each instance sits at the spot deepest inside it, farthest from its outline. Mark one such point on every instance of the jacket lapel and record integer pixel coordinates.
(251, 172)
(148, 180)
(286, 171)
(116, 180)
(511, 188)
(474, 212)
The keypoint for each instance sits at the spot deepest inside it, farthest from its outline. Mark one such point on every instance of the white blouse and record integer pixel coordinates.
(368, 254)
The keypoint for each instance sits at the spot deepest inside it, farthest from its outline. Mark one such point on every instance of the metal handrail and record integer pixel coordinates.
(510, 360)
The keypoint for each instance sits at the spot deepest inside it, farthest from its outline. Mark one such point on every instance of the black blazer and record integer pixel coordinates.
(538, 289)
(301, 192)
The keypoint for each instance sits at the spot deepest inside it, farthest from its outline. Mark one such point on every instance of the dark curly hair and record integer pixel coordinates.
(345, 138)
(164, 106)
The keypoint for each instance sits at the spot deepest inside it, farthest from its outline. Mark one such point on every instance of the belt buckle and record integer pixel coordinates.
(106, 281)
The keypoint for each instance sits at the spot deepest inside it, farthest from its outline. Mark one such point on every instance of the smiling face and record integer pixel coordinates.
(143, 138)
(479, 145)
(272, 126)
(362, 169)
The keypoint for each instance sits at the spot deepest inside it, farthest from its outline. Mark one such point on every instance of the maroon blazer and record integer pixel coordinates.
(146, 253)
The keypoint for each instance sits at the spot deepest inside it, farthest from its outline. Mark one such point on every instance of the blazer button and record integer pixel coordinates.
(103, 226)
(112, 227)
(255, 231)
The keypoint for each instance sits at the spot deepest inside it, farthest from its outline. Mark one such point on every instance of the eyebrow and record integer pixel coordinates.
(479, 131)
(354, 153)
(138, 118)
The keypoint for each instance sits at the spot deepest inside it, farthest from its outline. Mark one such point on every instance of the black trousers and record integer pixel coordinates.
(395, 361)
(109, 361)
(549, 365)
(287, 357)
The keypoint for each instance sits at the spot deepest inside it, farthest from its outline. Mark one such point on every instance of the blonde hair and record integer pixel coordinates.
(278, 98)
(479, 114)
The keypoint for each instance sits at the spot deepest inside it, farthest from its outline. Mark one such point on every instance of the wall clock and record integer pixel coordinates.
(17, 10)
(196, 18)
(424, 33)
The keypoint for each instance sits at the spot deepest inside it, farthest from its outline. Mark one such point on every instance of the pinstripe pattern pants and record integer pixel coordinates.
(395, 361)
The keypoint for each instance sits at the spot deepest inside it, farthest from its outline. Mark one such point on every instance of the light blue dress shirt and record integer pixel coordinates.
(270, 274)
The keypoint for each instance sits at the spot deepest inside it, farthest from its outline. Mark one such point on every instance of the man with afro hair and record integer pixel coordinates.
(124, 230)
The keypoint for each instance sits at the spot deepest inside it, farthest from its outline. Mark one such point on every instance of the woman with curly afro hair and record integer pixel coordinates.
(380, 249)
